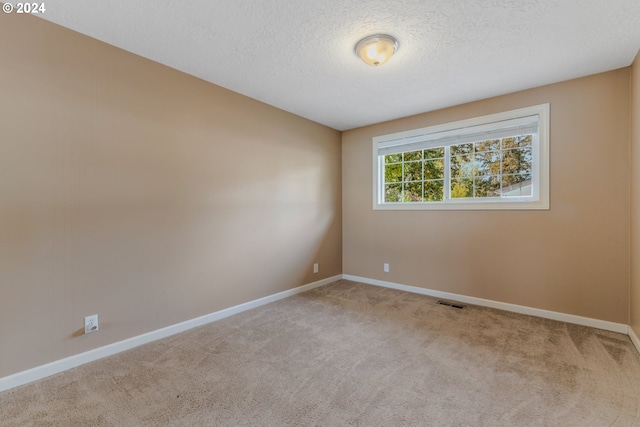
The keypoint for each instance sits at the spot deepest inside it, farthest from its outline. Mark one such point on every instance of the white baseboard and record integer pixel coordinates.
(634, 339)
(569, 318)
(39, 372)
(43, 371)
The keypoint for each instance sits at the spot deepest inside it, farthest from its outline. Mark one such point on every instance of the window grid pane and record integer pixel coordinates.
(478, 170)
(494, 168)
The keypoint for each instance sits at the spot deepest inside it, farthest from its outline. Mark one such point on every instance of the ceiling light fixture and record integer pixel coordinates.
(377, 49)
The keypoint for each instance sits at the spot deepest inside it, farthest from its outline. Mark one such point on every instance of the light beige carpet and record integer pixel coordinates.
(351, 354)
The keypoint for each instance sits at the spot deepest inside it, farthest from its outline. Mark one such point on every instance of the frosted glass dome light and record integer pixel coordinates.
(377, 49)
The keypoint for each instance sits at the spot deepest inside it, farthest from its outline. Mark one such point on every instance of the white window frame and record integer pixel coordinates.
(433, 135)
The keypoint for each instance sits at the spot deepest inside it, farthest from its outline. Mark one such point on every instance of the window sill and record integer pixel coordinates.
(464, 205)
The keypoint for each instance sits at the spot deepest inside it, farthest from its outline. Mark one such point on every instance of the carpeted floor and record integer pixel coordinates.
(351, 354)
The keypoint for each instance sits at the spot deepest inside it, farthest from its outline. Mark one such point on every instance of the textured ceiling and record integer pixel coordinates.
(298, 54)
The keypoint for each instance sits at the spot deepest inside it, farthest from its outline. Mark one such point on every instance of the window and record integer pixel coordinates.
(500, 161)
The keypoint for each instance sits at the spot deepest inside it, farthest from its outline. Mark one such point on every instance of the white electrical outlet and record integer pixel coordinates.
(90, 324)
(385, 267)
(315, 267)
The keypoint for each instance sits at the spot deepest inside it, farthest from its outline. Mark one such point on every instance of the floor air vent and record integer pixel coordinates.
(450, 304)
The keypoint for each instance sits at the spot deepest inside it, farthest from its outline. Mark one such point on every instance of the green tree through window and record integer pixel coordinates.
(483, 169)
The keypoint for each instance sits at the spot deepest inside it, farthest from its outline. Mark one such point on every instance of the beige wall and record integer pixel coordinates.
(635, 196)
(573, 258)
(150, 197)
